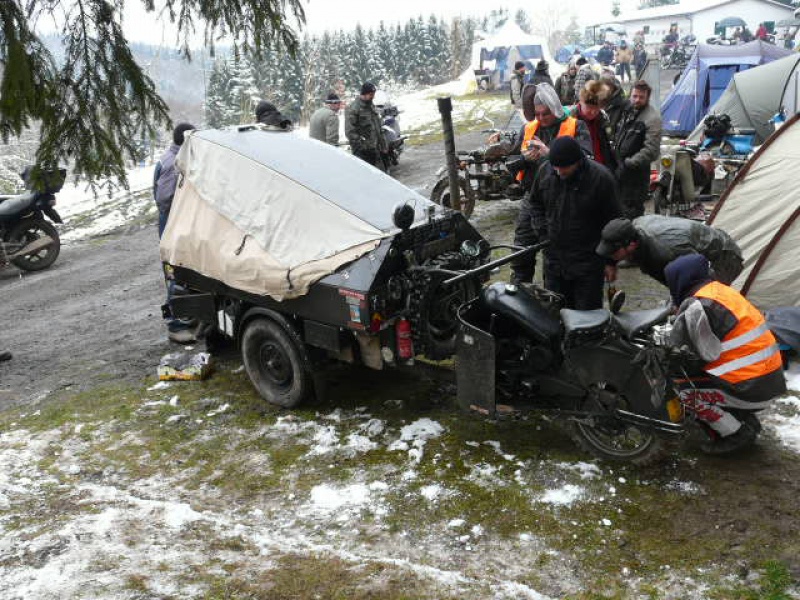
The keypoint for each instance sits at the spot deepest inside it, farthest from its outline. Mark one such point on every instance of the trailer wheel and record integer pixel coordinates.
(275, 363)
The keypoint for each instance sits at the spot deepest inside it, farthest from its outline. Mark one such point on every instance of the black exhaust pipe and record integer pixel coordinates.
(446, 110)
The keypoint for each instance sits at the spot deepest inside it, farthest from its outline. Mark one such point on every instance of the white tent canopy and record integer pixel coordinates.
(511, 38)
(760, 211)
(270, 212)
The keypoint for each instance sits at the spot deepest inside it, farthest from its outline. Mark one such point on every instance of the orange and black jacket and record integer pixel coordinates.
(750, 361)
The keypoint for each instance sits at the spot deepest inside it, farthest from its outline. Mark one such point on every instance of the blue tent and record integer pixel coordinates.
(705, 78)
(564, 53)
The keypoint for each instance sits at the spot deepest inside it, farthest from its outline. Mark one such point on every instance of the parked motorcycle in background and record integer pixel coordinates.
(730, 147)
(390, 125)
(676, 56)
(27, 239)
(486, 173)
(684, 182)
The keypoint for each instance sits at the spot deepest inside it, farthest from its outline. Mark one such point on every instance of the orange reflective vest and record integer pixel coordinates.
(749, 350)
(569, 126)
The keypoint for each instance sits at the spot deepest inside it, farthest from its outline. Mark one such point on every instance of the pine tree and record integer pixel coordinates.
(93, 105)
(521, 19)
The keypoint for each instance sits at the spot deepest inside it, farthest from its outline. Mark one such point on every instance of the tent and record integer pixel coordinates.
(705, 78)
(565, 53)
(495, 55)
(761, 211)
(754, 96)
(271, 212)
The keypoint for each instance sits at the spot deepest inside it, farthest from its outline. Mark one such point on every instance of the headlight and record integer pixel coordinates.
(666, 162)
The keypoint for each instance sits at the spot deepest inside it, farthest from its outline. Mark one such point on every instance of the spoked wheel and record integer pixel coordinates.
(608, 437)
(275, 363)
(441, 195)
(27, 232)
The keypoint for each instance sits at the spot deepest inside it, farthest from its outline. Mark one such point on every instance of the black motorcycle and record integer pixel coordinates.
(608, 374)
(487, 173)
(27, 239)
(395, 140)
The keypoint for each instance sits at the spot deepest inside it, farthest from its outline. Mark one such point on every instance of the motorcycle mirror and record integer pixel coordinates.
(617, 300)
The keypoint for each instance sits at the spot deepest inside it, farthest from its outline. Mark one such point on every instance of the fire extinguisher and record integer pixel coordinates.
(405, 345)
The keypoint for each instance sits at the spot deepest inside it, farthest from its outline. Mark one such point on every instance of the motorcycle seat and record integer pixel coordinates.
(638, 321)
(11, 205)
(518, 305)
(582, 322)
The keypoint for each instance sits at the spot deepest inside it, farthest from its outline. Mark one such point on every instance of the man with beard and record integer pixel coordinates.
(638, 140)
(571, 201)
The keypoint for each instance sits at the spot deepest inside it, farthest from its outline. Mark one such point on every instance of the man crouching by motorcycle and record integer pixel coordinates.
(741, 370)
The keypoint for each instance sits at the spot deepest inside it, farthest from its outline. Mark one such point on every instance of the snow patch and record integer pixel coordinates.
(563, 496)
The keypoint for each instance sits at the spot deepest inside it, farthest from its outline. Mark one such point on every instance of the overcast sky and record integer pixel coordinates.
(344, 14)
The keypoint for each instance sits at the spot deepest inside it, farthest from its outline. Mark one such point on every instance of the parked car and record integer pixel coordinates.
(301, 253)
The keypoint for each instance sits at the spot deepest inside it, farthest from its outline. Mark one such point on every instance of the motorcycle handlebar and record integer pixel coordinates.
(519, 252)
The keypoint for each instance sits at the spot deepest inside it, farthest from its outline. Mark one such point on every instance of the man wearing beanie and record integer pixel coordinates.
(324, 124)
(362, 126)
(571, 201)
(516, 83)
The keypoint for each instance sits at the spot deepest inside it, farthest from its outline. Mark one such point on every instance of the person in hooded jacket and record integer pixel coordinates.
(623, 58)
(740, 366)
(165, 177)
(571, 201)
(542, 73)
(268, 114)
(546, 120)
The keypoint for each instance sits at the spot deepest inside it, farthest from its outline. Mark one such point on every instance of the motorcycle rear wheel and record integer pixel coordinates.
(611, 439)
(441, 195)
(25, 232)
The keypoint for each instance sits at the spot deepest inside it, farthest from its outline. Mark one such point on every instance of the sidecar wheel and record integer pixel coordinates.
(441, 195)
(610, 439)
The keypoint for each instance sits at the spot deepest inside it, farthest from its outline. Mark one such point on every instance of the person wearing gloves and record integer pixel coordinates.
(571, 201)
(638, 140)
(740, 366)
(653, 241)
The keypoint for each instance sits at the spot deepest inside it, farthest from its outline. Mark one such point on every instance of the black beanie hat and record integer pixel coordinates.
(518, 65)
(332, 98)
(265, 107)
(368, 88)
(565, 151)
(178, 133)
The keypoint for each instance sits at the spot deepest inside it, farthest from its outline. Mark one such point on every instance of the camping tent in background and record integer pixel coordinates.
(754, 96)
(705, 78)
(761, 212)
(495, 55)
(564, 53)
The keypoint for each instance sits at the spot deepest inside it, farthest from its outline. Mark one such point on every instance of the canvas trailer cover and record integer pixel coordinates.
(270, 212)
(760, 211)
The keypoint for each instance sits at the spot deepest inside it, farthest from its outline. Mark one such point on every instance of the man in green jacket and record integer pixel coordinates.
(324, 124)
(362, 126)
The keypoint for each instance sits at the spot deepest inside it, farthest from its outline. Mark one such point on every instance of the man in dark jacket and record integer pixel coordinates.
(165, 177)
(362, 126)
(638, 141)
(605, 56)
(615, 104)
(565, 85)
(324, 123)
(740, 363)
(653, 241)
(571, 201)
(542, 73)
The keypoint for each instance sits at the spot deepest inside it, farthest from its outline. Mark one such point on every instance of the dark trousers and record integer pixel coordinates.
(373, 157)
(623, 69)
(634, 189)
(582, 291)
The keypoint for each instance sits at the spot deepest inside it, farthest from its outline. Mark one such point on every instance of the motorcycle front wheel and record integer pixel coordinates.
(659, 201)
(441, 195)
(611, 439)
(26, 232)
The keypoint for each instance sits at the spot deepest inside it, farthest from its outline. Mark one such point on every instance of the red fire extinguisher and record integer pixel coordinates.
(405, 345)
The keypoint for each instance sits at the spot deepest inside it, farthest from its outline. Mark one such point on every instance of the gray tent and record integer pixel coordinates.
(754, 96)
